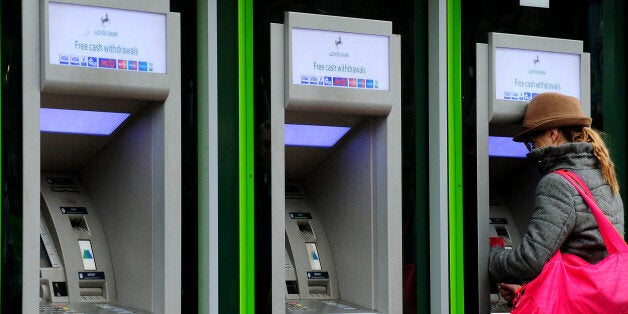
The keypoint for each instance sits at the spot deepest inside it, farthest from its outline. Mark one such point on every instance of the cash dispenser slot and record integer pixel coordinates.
(92, 286)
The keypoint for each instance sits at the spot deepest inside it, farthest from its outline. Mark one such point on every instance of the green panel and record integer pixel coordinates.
(246, 157)
(454, 148)
(421, 161)
(614, 86)
(228, 196)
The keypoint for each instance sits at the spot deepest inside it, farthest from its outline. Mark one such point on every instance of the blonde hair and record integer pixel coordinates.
(589, 135)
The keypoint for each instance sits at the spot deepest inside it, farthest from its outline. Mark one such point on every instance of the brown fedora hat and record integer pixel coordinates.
(551, 110)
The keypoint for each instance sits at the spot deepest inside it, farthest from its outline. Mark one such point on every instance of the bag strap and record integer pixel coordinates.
(612, 239)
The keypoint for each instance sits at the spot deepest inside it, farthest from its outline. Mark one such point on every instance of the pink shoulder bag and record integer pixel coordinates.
(569, 284)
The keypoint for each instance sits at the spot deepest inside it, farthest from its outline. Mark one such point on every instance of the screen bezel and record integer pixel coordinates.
(341, 100)
(100, 82)
(512, 111)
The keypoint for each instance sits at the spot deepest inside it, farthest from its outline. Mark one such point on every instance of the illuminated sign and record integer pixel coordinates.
(106, 38)
(520, 74)
(339, 59)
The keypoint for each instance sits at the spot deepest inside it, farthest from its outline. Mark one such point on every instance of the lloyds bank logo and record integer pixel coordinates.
(104, 20)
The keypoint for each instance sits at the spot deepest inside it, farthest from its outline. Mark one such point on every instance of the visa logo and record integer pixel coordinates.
(122, 64)
(313, 80)
(305, 79)
(132, 65)
(507, 95)
(64, 59)
(143, 66)
(92, 62)
(107, 63)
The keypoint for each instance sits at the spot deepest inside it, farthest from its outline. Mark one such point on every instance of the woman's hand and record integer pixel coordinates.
(508, 291)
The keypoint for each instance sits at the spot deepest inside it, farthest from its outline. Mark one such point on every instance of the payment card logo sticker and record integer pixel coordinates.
(132, 65)
(328, 81)
(75, 60)
(516, 96)
(341, 81)
(353, 82)
(92, 62)
(369, 83)
(107, 63)
(142, 66)
(122, 64)
(64, 59)
(361, 83)
(305, 79)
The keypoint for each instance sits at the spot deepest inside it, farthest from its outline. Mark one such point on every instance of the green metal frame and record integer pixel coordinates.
(228, 89)
(421, 219)
(246, 146)
(614, 87)
(454, 148)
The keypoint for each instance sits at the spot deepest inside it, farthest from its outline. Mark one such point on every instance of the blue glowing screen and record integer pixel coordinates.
(499, 146)
(313, 135)
(80, 121)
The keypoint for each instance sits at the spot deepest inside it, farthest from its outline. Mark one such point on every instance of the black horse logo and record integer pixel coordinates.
(338, 42)
(104, 20)
(535, 61)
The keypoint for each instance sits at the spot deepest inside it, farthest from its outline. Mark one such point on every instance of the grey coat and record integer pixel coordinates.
(561, 218)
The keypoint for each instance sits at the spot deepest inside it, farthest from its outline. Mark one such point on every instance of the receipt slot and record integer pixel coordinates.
(101, 157)
(336, 165)
(511, 69)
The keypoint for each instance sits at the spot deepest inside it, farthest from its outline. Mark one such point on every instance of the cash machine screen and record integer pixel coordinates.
(340, 59)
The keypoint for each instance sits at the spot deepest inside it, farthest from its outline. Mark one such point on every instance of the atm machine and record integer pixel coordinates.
(511, 69)
(336, 165)
(102, 161)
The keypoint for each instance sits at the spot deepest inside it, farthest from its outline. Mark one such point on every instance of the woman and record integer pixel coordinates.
(559, 136)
